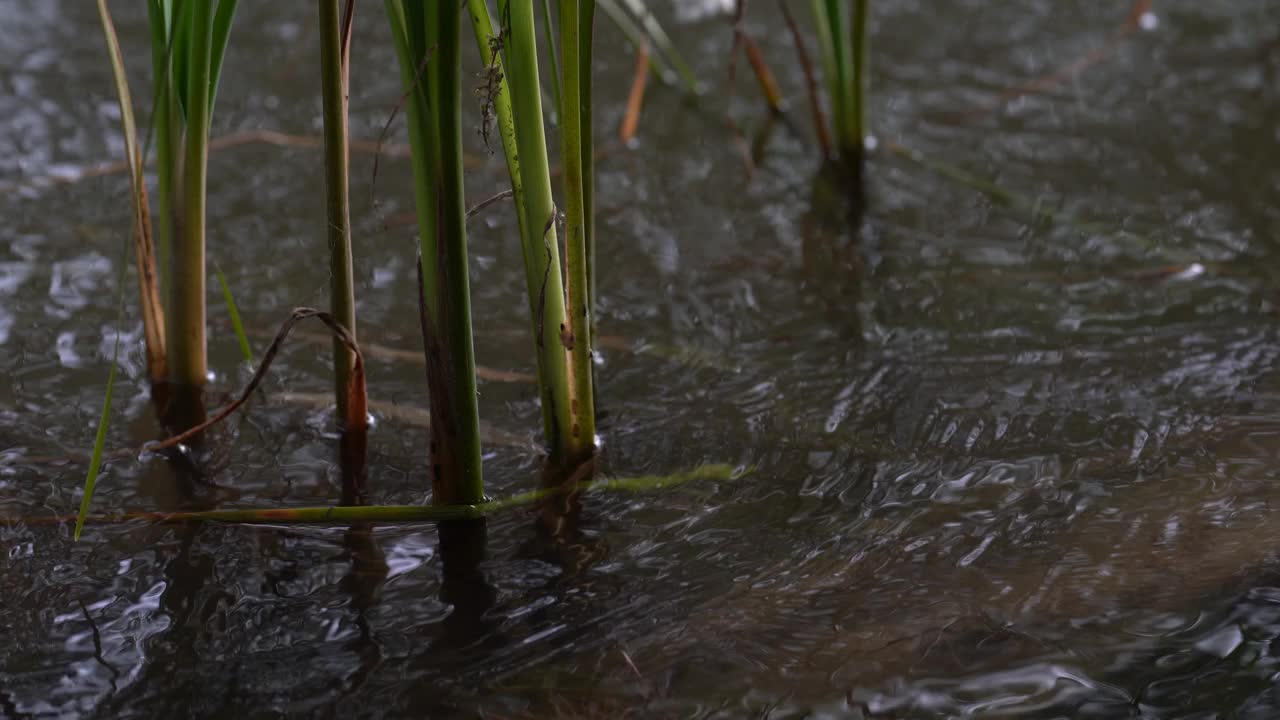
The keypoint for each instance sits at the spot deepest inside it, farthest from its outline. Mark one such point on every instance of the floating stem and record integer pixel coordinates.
(423, 513)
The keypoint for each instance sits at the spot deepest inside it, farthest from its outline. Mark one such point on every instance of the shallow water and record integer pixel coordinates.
(1004, 466)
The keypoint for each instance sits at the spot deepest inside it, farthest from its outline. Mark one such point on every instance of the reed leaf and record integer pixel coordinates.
(99, 444)
(144, 247)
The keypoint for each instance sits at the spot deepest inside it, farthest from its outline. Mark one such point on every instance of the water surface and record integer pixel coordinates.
(1005, 465)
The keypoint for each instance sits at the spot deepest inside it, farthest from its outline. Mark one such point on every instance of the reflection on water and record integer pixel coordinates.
(1004, 466)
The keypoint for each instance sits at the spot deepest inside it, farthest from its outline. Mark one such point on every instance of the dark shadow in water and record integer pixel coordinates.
(834, 265)
(463, 547)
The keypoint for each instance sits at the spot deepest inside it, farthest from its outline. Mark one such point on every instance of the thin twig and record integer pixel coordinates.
(296, 316)
(811, 83)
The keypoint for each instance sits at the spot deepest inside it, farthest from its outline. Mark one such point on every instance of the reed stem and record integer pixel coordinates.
(427, 38)
(576, 333)
(497, 99)
(144, 244)
(165, 127)
(188, 362)
(843, 40)
(335, 57)
(586, 41)
(542, 255)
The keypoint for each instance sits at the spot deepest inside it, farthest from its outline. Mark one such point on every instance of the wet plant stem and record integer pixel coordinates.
(541, 245)
(335, 55)
(188, 362)
(843, 40)
(586, 48)
(427, 39)
(149, 297)
(498, 103)
(576, 333)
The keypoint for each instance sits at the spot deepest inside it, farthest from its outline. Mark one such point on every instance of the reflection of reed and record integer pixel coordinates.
(463, 547)
(833, 265)
(368, 572)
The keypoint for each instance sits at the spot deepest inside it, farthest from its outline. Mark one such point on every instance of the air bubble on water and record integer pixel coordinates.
(870, 143)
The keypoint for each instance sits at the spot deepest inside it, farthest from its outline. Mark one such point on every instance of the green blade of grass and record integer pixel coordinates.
(179, 52)
(241, 337)
(99, 443)
(100, 440)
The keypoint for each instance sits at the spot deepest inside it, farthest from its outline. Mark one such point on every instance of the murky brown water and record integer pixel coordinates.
(1005, 467)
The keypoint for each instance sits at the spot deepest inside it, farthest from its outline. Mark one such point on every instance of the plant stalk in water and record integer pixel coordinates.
(427, 39)
(144, 243)
(845, 49)
(540, 242)
(188, 42)
(335, 23)
(575, 144)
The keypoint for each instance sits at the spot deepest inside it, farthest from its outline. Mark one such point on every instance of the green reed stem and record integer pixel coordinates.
(188, 361)
(165, 125)
(586, 38)
(334, 79)
(498, 98)
(149, 298)
(576, 336)
(542, 256)
(427, 38)
(845, 65)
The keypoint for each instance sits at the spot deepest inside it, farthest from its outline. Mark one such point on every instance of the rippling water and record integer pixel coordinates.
(1004, 466)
